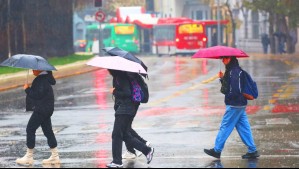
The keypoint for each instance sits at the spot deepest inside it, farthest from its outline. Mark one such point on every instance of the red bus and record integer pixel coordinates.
(178, 36)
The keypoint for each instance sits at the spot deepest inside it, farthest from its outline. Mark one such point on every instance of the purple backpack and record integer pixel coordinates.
(137, 93)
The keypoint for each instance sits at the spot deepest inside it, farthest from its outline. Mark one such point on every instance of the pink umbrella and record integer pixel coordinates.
(116, 63)
(216, 52)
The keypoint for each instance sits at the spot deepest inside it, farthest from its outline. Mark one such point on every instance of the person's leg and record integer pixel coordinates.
(229, 121)
(34, 123)
(48, 132)
(121, 124)
(244, 130)
(137, 144)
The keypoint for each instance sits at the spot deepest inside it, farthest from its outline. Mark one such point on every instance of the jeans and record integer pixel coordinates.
(36, 120)
(121, 133)
(235, 117)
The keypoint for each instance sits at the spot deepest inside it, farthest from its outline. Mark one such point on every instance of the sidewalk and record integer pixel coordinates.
(15, 80)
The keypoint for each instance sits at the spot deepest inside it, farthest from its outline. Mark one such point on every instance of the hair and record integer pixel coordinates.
(115, 73)
(233, 62)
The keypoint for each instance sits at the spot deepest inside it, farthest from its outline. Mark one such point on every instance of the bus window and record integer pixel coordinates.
(106, 33)
(164, 33)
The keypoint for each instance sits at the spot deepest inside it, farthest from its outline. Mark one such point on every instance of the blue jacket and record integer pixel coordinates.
(234, 96)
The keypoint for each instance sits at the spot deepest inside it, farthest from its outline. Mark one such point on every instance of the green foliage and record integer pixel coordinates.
(54, 61)
(288, 8)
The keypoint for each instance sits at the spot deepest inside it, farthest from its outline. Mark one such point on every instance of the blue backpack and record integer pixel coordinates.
(140, 92)
(250, 87)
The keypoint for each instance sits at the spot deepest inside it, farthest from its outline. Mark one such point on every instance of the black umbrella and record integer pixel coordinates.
(28, 62)
(115, 51)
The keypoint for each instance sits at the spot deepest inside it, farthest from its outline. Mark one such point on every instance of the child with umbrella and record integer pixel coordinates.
(40, 100)
(233, 82)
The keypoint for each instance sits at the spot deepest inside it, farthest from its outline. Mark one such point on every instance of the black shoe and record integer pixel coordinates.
(251, 155)
(212, 153)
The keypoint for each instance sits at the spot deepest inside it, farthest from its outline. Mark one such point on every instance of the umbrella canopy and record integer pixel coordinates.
(28, 62)
(116, 63)
(216, 52)
(115, 51)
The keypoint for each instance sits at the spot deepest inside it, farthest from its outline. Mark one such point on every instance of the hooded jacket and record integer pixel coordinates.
(40, 96)
(233, 84)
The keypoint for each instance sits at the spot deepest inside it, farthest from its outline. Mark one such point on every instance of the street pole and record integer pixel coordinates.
(100, 40)
(218, 23)
(8, 28)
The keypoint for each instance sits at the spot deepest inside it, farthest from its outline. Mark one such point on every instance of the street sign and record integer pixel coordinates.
(100, 16)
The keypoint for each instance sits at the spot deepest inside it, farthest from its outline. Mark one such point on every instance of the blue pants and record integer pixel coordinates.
(235, 117)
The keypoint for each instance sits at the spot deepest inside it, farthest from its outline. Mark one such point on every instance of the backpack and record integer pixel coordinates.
(250, 90)
(139, 90)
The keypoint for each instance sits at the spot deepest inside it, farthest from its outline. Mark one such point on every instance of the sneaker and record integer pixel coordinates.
(212, 153)
(129, 155)
(138, 153)
(148, 144)
(113, 165)
(251, 155)
(150, 156)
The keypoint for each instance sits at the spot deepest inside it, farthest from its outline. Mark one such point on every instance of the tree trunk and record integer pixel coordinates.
(271, 32)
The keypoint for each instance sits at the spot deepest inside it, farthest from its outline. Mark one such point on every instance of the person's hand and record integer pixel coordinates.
(26, 86)
(112, 90)
(220, 74)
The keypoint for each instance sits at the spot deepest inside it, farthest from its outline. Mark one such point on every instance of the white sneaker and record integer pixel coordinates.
(148, 144)
(128, 155)
(113, 165)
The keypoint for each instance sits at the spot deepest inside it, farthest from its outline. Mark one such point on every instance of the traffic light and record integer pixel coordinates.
(98, 3)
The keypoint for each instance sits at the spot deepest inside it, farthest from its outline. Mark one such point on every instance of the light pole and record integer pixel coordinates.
(8, 28)
(218, 23)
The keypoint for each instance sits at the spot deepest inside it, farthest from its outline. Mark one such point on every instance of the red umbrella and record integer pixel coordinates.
(216, 52)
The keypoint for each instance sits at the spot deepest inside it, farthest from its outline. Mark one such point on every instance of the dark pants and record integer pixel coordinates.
(121, 133)
(37, 120)
(130, 147)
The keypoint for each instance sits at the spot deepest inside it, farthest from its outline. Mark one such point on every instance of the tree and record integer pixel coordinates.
(285, 13)
(36, 27)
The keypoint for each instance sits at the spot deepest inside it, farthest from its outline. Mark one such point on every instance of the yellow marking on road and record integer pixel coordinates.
(182, 92)
(267, 107)
(288, 92)
(272, 101)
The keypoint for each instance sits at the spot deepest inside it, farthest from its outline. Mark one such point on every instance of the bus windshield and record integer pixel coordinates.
(190, 29)
(125, 30)
(164, 33)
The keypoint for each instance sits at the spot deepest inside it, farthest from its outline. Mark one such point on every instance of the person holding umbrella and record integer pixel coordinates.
(131, 153)
(236, 96)
(235, 115)
(40, 100)
(125, 111)
(118, 65)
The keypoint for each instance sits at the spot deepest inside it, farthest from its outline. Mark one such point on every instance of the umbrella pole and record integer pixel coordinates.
(27, 76)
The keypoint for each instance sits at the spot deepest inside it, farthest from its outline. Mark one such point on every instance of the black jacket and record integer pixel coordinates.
(40, 96)
(123, 96)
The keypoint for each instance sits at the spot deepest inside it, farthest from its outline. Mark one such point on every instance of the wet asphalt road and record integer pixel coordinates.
(180, 120)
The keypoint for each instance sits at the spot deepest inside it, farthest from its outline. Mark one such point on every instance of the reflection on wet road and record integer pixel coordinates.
(180, 120)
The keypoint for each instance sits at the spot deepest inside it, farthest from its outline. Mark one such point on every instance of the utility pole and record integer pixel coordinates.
(218, 24)
(100, 17)
(8, 28)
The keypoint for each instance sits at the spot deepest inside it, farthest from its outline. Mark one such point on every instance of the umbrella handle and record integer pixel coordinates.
(27, 76)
